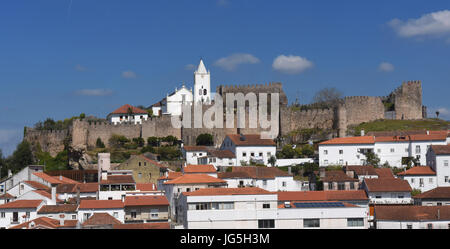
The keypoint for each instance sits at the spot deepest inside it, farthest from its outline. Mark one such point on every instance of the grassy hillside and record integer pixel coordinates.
(400, 125)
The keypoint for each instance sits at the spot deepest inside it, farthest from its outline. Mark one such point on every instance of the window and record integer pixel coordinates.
(252, 154)
(145, 163)
(325, 152)
(352, 185)
(379, 150)
(355, 222)
(3, 215)
(446, 179)
(268, 154)
(439, 204)
(412, 180)
(244, 154)
(341, 162)
(341, 152)
(430, 180)
(154, 213)
(179, 190)
(445, 162)
(330, 185)
(133, 214)
(266, 205)
(116, 214)
(341, 186)
(325, 162)
(260, 154)
(417, 149)
(311, 222)
(139, 164)
(74, 216)
(266, 223)
(283, 184)
(188, 190)
(392, 150)
(139, 175)
(409, 226)
(265, 182)
(109, 198)
(378, 197)
(406, 150)
(430, 226)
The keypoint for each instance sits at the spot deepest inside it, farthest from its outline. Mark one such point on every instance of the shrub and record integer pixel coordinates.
(205, 139)
(99, 143)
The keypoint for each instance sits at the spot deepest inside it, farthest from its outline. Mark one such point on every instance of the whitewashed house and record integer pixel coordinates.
(13, 180)
(127, 113)
(438, 158)
(267, 178)
(207, 169)
(321, 215)
(249, 147)
(388, 191)
(115, 184)
(19, 211)
(422, 178)
(87, 208)
(228, 208)
(192, 153)
(62, 211)
(439, 196)
(390, 149)
(219, 158)
(412, 217)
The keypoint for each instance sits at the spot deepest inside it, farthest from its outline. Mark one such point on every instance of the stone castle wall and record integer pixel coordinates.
(50, 141)
(408, 100)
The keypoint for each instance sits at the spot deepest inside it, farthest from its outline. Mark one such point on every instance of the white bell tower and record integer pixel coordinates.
(202, 84)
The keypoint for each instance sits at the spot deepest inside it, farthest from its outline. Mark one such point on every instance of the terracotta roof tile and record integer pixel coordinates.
(387, 185)
(146, 187)
(412, 213)
(148, 200)
(418, 170)
(151, 225)
(195, 178)
(65, 180)
(47, 178)
(22, 204)
(256, 172)
(436, 193)
(195, 148)
(6, 196)
(361, 170)
(228, 191)
(171, 175)
(384, 173)
(208, 168)
(441, 149)
(101, 204)
(37, 185)
(45, 222)
(250, 140)
(337, 176)
(351, 140)
(222, 153)
(64, 208)
(124, 110)
(100, 219)
(116, 179)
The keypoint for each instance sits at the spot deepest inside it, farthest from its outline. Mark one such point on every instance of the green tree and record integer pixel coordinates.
(153, 141)
(372, 159)
(21, 157)
(82, 116)
(170, 139)
(205, 139)
(139, 141)
(272, 160)
(99, 143)
(288, 152)
(307, 151)
(150, 112)
(118, 141)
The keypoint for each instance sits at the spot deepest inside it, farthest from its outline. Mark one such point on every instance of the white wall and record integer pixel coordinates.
(135, 118)
(390, 197)
(120, 213)
(293, 161)
(174, 102)
(429, 182)
(415, 224)
(349, 156)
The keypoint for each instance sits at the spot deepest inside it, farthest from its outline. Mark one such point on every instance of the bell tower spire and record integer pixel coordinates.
(202, 84)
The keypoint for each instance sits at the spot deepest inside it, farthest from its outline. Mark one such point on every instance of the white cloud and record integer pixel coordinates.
(80, 68)
(128, 74)
(436, 23)
(189, 67)
(231, 62)
(386, 67)
(291, 64)
(444, 113)
(94, 92)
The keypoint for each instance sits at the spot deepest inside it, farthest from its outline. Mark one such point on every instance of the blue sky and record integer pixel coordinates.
(59, 58)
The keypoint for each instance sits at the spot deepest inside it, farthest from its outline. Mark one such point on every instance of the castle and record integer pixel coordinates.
(403, 103)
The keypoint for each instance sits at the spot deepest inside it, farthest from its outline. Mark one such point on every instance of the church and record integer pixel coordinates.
(172, 103)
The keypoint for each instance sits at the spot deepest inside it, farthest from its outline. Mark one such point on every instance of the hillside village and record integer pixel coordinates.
(325, 169)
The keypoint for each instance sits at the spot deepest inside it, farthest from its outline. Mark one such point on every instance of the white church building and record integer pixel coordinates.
(172, 103)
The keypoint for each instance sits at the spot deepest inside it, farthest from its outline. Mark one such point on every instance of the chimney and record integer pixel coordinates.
(60, 177)
(61, 220)
(362, 133)
(78, 196)
(428, 132)
(9, 173)
(289, 170)
(53, 201)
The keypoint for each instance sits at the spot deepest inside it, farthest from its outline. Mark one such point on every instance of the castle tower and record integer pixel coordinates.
(202, 84)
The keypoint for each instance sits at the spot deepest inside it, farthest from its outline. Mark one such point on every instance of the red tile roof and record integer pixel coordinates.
(195, 178)
(195, 148)
(101, 219)
(282, 205)
(22, 204)
(124, 110)
(337, 176)
(100, 204)
(37, 185)
(151, 225)
(64, 179)
(46, 194)
(148, 200)
(250, 140)
(171, 175)
(351, 140)
(64, 208)
(418, 171)
(118, 179)
(361, 170)
(412, 213)
(436, 193)
(228, 191)
(441, 149)
(6, 196)
(146, 187)
(208, 168)
(332, 195)
(45, 222)
(222, 153)
(254, 172)
(73, 188)
(384, 173)
(47, 178)
(387, 185)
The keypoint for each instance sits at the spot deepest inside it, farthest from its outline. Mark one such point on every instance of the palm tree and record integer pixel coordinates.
(437, 114)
